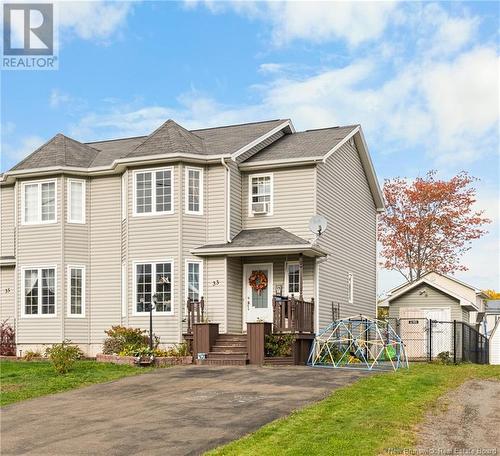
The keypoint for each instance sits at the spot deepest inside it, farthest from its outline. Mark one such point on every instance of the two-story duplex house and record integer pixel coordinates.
(91, 232)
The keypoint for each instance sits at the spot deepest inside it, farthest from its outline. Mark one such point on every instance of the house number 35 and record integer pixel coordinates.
(7, 290)
(215, 283)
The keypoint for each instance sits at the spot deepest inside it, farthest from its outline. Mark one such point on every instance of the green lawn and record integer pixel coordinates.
(365, 418)
(20, 380)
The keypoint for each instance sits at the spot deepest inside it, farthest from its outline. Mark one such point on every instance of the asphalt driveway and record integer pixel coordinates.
(181, 410)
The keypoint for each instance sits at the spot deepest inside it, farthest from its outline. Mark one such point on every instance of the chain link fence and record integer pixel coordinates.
(427, 340)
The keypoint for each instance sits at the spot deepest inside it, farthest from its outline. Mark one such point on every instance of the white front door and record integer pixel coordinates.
(257, 306)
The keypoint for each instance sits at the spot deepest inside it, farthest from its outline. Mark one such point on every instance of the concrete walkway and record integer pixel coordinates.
(176, 411)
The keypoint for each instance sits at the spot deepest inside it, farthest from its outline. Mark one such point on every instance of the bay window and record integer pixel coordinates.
(39, 291)
(151, 279)
(194, 190)
(76, 291)
(76, 201)
(153, 192)
(38, 202)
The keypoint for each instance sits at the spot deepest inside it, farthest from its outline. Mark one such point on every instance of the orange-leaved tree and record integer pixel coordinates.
(428, 224)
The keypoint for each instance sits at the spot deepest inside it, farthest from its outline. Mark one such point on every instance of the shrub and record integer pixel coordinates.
(279, 345)
(177, 351)
(63, 356)
(121, 337)
(445, 357)
(137, 350)
(7, 339)
(30, 355)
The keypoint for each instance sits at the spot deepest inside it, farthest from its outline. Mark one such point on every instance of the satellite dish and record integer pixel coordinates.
(318, 224)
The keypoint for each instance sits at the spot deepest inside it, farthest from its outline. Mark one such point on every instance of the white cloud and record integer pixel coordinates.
(93, 20)
(317, 21)
(58, 98)
(12, 154)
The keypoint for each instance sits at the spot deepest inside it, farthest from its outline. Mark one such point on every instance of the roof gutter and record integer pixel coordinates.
(116, 167)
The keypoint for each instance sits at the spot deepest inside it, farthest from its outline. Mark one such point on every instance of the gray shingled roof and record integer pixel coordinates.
(309, 143)
(261, 237)
(170, 137)
(59, 151)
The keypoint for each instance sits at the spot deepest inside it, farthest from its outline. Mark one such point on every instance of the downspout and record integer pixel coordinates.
(228, 199)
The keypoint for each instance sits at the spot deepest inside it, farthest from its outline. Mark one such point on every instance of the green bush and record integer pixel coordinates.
(63, 356)
(30, 355)
(445, 357)
(176, 351)
(279, 345)
(121, 338)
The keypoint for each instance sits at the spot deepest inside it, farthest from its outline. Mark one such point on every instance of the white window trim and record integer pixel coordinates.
(84, 197)
(287, 264)
(271, 203)
(186, 190)
(186, 271)
(23, 294)
(23, 202)
(154, 212)
(350, 288)
(68, 290)
(153, 272)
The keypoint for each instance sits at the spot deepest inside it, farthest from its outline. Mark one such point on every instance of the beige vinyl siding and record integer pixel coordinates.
(236, 221)
(41, 245)
(251, 152)
(76, 253)
(432, 298)
(215, 291)
(7, 293)
(215, 205)
(104, 307)
(154, 238)
(293, 201)
(344, 198)
(7, 228)
(234, 273)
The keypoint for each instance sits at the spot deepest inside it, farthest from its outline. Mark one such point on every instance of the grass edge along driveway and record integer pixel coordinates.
(21, 380)
(374, 414)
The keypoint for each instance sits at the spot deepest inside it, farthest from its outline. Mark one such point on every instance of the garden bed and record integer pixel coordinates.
(159, 361)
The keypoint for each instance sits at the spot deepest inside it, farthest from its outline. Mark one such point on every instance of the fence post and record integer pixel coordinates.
(454, 341)
(430, 340)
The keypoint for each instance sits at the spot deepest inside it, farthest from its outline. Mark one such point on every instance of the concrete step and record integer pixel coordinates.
(227, 355)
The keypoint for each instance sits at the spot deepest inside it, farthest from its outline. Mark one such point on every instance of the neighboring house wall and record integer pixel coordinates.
(7, 226)
(494, 344)
(293, 200)
(426, 296)
(344, 198)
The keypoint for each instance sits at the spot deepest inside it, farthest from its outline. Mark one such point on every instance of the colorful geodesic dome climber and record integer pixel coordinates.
(358, 343)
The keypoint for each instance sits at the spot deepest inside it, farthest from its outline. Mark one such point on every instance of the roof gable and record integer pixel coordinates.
(59, 151)
(169, 138)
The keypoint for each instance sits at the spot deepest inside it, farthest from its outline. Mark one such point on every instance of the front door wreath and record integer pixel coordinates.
(258, 281)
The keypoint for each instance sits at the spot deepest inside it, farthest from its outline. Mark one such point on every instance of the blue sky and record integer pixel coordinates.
(421, 78)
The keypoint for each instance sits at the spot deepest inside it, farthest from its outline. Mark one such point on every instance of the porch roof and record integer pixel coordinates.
(263, 241)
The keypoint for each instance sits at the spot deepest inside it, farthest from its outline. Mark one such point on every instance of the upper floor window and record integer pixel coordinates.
(293, 278)
(76, 291)
(38, 202)
(153, 191)
(39, 291)
(261, 194)
(151, 279)
(194, 191)
(76, 201)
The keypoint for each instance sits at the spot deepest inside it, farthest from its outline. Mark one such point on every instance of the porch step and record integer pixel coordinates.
(227, 355)
(223, 362)
(229, 348)
(232, 338)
